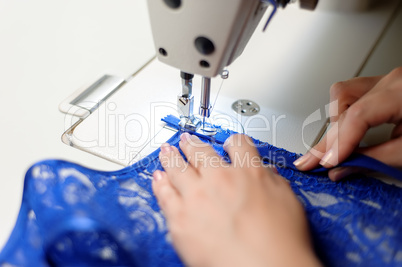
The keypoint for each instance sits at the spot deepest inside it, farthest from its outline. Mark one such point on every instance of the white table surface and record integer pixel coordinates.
(48, 49)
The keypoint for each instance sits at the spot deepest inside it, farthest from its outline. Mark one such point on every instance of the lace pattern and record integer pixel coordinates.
(74, 216)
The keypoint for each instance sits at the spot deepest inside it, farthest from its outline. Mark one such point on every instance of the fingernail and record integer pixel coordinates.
(340, 173)
(165, 148)
(184, 137)
(157, 175)
(300, 162)
(328, 160)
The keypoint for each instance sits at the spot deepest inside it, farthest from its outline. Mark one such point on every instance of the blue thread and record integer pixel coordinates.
(274, 5)
(71, 215)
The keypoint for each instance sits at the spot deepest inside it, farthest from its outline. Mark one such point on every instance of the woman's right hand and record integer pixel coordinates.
(356, 106)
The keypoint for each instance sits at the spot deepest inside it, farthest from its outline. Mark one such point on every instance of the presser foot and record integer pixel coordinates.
(196, 125)
(190, 124)
(207, 128)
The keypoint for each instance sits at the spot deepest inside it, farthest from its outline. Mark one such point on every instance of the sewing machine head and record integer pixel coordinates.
(203, 37)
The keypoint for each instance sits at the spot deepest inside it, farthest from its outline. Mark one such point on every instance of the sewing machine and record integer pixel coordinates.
(281, 79)
(192, 37)
(271, 94)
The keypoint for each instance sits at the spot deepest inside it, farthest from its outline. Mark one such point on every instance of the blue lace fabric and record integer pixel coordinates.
(74, 216)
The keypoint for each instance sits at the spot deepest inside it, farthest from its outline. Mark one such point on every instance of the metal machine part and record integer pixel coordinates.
(87, 99)
(187, 83)
(205, 106)
(185, 103)
(308, 4)
(225, 74)
(246, 107)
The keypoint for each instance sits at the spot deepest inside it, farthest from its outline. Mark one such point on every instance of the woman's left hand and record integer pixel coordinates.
(238, 214)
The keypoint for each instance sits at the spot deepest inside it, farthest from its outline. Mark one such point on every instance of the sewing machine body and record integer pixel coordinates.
(190, 34)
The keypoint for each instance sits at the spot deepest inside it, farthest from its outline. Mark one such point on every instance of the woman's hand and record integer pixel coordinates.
(356, 106)
(238, 214)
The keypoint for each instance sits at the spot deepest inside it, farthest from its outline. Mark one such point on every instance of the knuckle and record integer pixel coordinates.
(198, 195)
(258, 172)
(162, 201)
(222, 178)
(177, 225)
(174, 163)
(355, 111)
(245, 139)
(230, 141)
(187, 147)
(197, 143)
(216, 162)
(397, 72)
(163, 194)
(282, 181)
(192, 148)
(337, 87)
(238, 139)
(163, 156)
(170, 160)
(394, 80)
(174, 232)
(339, 90)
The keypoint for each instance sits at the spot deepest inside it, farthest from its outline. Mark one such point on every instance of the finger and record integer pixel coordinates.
(358, 119)
(242, 151)
(344, 94)
(277, 179)
(272, 168)
(315, 155)
(388, 152)
(200, 154)
(397, 131)
(351, 125)
(340, 173)
(312, 158)
(168, 198)
(180, 173)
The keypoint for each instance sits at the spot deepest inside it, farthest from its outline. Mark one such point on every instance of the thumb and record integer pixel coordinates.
(388, 152)
(337, 174)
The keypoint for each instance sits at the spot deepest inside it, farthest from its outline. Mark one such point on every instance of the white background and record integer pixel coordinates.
(48, 49)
